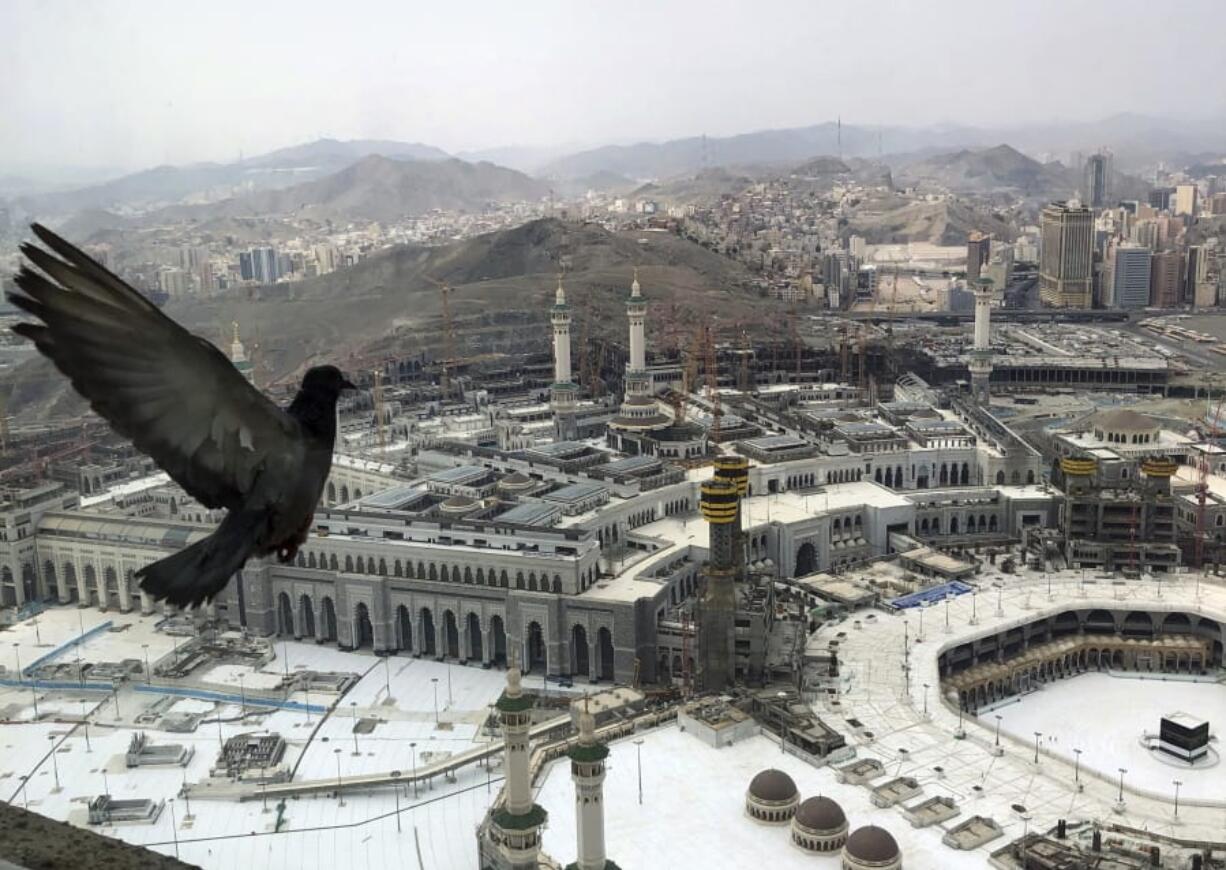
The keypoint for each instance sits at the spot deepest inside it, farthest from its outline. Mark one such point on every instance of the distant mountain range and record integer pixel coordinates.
(377, 188)
(168, 185)
(1135, 140)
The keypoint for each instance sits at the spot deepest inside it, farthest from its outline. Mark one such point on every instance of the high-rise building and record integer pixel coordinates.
(1185, 200)
(1165, 284)
(1066, 260)
(1195, 271)
(978, 252)
(264, 265)
(246, 266)
(1098, 179)
(1130, 276)
(1160, 198)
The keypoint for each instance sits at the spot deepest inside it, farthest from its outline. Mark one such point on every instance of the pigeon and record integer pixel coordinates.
(184, 404)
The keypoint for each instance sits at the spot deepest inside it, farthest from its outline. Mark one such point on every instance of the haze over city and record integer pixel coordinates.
(127, 85)
(572, 436)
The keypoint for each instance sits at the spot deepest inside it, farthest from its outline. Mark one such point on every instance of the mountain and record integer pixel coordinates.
(503, 285)
(336, 154)
(649, 160)
(380, 189)
(1002, 168)
(893, 219)
(1135, 140)
(167, 185)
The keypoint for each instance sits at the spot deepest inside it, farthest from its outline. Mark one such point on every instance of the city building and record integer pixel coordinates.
(1130, 276)
(1066, 260)
(1185, 200)
(1165, 279)
(978, 252)
(1097, 181)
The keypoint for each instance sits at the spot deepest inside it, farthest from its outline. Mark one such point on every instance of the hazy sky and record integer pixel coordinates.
(128, 83)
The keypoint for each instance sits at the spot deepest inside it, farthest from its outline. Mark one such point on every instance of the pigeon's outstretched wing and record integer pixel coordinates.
(173, 394)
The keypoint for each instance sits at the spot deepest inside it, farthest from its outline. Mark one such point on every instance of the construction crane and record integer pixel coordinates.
(746, 350)
(377, 396)
(794, 335)
(445, 291)
(712, 385)
(585, 353)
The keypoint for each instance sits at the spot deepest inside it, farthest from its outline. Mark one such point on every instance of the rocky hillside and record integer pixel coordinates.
(503, 286)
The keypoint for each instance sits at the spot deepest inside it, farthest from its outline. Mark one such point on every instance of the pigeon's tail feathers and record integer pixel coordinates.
(198, 573)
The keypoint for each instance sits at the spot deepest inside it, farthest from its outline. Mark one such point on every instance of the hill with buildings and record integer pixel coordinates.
(896, 220)
(389, 304)
(1002, 168)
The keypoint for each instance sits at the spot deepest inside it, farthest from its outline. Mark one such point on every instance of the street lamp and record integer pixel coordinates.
(638, 751)
(1177, 784)
(781, 696)
(242, 696)
(434, 680)
(33, 688)
(926, 687)
(148, 673)
(353, 705)
(174, 827)
(396, 791)
(56, 767)
(387, 682)
(339, 797)
(1077, 766)
(413, 750)
(998, 729)
(1037, 735)
(449, 702)
(1122, 770)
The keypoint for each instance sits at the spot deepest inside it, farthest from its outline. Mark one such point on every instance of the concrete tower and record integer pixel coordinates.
(720, 506)
(515, 827)
(981, 352)
(587, 758)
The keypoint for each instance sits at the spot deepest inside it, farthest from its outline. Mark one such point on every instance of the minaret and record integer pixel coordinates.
(636, 310)
(563, 389)
(980, 364)
(238, 356)
(587, 758)
(516, 825)
(563, 394)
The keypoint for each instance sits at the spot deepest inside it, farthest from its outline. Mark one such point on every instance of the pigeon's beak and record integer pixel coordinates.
(347, 384)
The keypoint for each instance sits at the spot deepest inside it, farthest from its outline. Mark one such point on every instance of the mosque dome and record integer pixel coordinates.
(772, 785)
(821, 814)
(872, 846)
(772, 797)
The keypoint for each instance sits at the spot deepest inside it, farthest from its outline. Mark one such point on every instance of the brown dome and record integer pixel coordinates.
(872, 844)
(821, 814)
(772, 785)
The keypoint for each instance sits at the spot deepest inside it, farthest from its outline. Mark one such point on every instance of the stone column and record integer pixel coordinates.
(593, 668)
(125, 594)
(82, 589)
(487, 646)
(146, 603)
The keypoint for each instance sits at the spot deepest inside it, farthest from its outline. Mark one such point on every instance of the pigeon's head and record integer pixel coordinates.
(326, 381)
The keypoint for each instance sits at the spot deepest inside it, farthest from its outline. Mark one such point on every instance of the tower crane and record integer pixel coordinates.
(445, 291)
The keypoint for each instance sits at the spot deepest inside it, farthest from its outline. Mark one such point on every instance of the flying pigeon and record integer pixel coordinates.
(183, 403)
